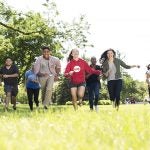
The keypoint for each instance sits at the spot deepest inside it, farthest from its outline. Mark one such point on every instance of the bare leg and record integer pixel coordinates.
(7, 99)
(80, 91)
(74, 97)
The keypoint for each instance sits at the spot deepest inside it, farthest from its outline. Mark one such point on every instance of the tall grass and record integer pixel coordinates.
(62, 128)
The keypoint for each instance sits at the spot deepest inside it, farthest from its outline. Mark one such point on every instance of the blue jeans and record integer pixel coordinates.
(114, 89)
(93, 92)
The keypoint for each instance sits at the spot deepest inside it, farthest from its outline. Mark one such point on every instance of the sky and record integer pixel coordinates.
(122, 25)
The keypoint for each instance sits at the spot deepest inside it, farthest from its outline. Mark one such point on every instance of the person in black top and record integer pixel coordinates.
(9, 73)
(148, 80)
(93, 85)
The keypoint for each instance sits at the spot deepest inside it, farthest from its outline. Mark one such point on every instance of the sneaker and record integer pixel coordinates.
(14, 107)
(91, 109)
(80, 103)
(113, 104)
(117, 108)
(45, 107)
(96, 108)
(31, 109)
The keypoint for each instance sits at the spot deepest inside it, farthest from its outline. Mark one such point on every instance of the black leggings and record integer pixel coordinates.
(149, 90)
(30, 93)
(114, 89)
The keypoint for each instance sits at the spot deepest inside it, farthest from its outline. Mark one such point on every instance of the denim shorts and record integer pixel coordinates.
(13, 89)
(72, 85)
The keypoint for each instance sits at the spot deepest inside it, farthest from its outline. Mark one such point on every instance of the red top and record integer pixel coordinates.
(80, 67)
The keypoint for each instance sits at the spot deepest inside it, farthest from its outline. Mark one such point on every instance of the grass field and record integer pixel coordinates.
(61, 128)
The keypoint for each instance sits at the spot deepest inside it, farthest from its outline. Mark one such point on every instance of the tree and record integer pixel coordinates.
(62, 91)
(132, 88)
(103, 91)
(23, 34)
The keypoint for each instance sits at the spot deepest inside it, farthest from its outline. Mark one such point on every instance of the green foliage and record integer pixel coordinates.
(62, 91)
(24, 48)
(132, 88)
(104, 91)
(83, 102)
(22, 95)
(104, 102)
(100, 102)
(22, 35)
(2, 94)
(68, 103)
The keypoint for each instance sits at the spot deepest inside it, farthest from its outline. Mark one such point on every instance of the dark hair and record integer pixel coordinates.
(8, 58)
(148, 67)
(45, 47)
(104, 55)
(70, 57)
(112, 51)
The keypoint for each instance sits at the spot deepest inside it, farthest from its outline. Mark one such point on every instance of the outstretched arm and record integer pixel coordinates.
(123, 64)
(90, 70)
(133, 66)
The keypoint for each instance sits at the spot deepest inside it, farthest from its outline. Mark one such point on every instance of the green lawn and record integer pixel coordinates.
(61, 128)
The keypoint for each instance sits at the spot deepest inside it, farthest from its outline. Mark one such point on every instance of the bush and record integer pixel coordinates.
(68, 103)
(22, 95)
(100, 102)
(2, 94)
(104, 102)
(83, 102)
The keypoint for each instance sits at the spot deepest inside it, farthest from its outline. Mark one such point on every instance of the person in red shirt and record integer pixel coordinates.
(75, 71)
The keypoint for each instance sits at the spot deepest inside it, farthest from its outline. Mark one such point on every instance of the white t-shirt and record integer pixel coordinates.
(112, 71)
(44, 68)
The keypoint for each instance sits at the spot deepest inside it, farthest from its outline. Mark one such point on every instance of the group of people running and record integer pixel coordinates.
(77, 69)
(46, 70)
